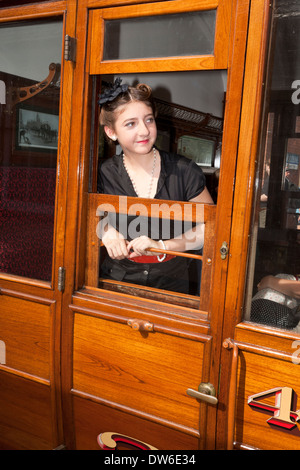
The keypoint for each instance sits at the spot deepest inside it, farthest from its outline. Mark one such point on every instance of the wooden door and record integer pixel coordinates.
(36, 89)
(262, 350)
(132, 358)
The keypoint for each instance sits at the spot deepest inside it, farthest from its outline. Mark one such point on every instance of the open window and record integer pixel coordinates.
(200, 265)
(201, 130)
(189, 88)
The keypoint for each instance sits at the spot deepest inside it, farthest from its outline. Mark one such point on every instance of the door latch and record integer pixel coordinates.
(224, 250)
(206, 392)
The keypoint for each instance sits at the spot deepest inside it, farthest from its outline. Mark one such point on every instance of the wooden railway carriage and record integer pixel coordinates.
(90, 364)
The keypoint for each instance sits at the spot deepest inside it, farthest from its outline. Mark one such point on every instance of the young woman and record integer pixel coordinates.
(141, 170)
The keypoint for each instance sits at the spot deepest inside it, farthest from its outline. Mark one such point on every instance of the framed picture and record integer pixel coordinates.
(36, 129)
(202, 151)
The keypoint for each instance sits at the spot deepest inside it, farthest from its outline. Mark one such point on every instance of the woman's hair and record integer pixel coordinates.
(140, 92)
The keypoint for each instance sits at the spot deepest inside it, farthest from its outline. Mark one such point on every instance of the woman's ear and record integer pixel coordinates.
(110, 133)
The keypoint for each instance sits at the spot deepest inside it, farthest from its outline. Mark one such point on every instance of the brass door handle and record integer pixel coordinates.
(206, 392)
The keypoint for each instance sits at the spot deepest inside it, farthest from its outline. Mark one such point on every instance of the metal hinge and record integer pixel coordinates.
(61, 279)
(70, 48)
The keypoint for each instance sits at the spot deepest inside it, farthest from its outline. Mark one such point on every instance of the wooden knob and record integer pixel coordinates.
(140, 325)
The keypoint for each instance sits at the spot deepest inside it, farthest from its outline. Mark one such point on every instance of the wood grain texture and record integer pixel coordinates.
(26, 331)
(147, 372)
(26, 421)
(91, 419)
(258, 373)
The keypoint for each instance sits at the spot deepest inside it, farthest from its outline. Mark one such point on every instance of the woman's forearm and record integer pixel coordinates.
(285, 286)
(190, 240)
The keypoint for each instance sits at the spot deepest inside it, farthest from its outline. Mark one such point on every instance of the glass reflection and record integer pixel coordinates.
(275, 297)
(29, 114)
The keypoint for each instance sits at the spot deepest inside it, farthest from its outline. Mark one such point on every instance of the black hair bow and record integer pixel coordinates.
(113, 90)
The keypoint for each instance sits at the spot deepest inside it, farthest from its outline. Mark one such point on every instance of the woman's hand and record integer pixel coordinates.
(140, 246)
(115, 244)
(267, 282)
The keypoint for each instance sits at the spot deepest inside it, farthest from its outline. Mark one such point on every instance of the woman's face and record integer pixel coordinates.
(135, 128)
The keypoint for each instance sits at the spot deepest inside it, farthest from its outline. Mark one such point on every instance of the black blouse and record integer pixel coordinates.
(181, 179)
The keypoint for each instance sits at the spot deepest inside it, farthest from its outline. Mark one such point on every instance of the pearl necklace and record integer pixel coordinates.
(152, 175)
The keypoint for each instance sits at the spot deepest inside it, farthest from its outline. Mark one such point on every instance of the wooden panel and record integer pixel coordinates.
(25, 414)
(91, 419)
(148, 372)
(266, 361)
(25, 330)
(37, 10)
(172, 7)
(257, 374)
(247, 132)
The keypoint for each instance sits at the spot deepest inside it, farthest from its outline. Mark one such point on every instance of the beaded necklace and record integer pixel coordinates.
(152, 175)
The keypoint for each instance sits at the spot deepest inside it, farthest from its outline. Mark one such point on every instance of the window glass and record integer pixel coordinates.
(29, 118)
(274, 287)
(180, 101)
(160, 36)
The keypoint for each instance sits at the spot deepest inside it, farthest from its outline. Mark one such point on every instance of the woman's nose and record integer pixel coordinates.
(143, 128)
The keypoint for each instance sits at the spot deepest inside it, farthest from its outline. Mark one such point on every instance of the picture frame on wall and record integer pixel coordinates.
(202, 151)
(36, 129)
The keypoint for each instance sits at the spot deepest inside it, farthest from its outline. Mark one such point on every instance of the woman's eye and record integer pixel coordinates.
(129, 124)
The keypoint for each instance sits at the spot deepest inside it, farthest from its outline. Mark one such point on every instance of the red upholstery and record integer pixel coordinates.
(27, 198)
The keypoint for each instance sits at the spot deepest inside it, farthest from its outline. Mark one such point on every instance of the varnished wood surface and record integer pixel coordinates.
(72, 360)
(220, 325)
(93, 418)
(265, 362)
(26, 418)
(217, 60)
(248, 131)
(146, 372)
(30, 310)
(37, 10)
(29, 415)
(26, 330)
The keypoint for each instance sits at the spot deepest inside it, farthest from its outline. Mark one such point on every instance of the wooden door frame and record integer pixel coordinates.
(249, 142)
(30, 289)
(216, 60)
(76, 227)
